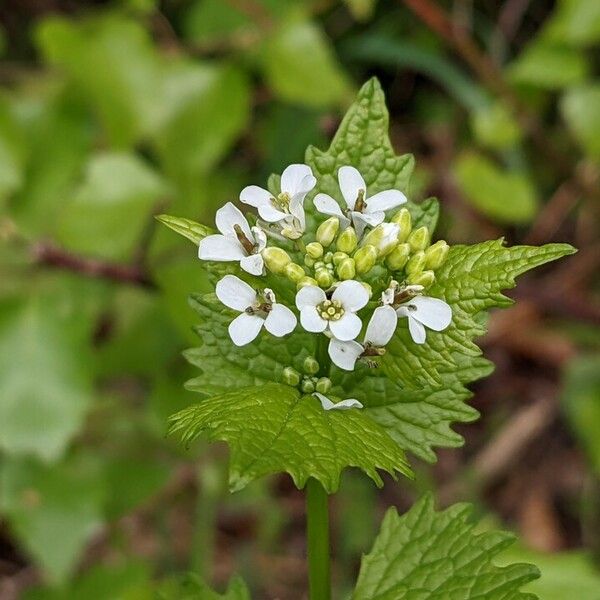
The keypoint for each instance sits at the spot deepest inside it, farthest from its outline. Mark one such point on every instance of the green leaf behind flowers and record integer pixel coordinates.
(430, 555)
(272, 428)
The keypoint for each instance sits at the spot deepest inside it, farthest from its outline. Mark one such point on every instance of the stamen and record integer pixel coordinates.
(360, 204)
(331, 310)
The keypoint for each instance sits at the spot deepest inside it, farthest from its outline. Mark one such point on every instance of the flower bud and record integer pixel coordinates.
(310, 366)
(276, 259)
(309, 262)
(418, 239)
(338, 257)
(327, 231)
(314, 250)
(424, 278)
(367, 287)
(346, 269)
(291, 376)
(384, 237)
(324, 278)
(306, 281)
(436, 254)
(398, 257)
(328, 258)
(323, 385)
(347, 240)
(308, 387)
(294, 272)
(365, 258)
(319, 265)
(404, 220)
(416, 263)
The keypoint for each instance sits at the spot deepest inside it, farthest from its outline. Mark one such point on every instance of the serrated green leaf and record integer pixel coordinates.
(186, 227)
(272, 428)
(428, 555)
(362, 141)
(420, 390)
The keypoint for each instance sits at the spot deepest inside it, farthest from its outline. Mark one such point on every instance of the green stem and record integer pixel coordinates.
(317, 526)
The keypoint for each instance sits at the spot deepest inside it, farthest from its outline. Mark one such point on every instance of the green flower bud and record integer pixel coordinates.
(419, 239)
(309, 262)
(323, 385)
(306, 281)
(347, 240)
(338, 257)
(308, 387)
(404, 220)
(367, 287)
(384, 237)
(416, 263)
(327, 231)
(276, 259)
(291, 376)
(346, 269)
(436, 254)
(328, 258)
(310, 366)
(365, 258)
(294, 272)
(424, 278)
(324, 278)
(314, 250)
(398, 257)
(319, 265)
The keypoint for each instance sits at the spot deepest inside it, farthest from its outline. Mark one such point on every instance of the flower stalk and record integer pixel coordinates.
(317, 533)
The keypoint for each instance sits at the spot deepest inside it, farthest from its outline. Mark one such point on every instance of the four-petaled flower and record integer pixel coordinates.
(362, 210)
(379, 332)
(256, 308)
(327, 404)
(337, 315)
(423, 311)
(288, 206)
(236, 242)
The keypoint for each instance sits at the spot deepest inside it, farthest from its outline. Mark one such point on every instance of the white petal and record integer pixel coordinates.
(344, 354)
(361, 220)
(403, 311)
(280, 321)
(271, 214)
(228, 216)
(311, 320)
(260, 238)
(327, 404)
(351, 294)
(297, 179)
(385, 201)
(220, 248)
(328, 206)
(309, 295)
(347, 328)
(351, 182)
(381, 327)
(244, 328)
(235, 293)
(432, 312)
(297, 210)
(255, 196)
(253, 264)
(417, 331)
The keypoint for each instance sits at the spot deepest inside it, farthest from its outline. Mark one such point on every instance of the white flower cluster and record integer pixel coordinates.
(352, 254)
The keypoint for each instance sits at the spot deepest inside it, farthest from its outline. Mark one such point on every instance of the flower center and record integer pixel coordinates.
(282, 202)
(331, 310)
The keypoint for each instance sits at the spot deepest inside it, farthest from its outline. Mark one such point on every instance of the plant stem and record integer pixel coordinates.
(317, 526)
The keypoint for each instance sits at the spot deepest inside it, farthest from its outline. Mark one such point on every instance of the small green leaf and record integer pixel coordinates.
(581, 109)
(429, 555)
(575, 22)
(272, 428)
(495, 126)
(186, 227)
(504, 196)
(191, 587)
(300, 65)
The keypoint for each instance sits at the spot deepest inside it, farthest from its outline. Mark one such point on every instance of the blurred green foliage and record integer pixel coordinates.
(111, 113)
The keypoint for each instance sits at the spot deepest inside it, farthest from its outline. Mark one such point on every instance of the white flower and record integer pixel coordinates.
(257, 309)
(236, 242)
(327, 404)
(363, 210)
(288, 206)
(318, 314)
(379, 332)
(422, 312)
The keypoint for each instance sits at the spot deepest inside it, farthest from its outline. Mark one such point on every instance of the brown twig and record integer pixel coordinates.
(50, 255)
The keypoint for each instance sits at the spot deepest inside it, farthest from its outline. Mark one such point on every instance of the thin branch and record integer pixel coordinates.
(50, 255)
